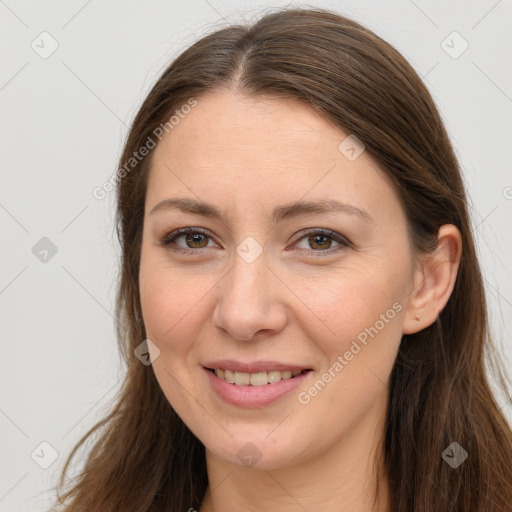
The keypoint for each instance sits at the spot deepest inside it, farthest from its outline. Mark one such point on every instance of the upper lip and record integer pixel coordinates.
(254, 367)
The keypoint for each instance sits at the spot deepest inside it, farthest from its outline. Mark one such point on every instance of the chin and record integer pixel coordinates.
(259, 450)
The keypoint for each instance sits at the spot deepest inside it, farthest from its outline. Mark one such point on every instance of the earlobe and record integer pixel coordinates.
(434, 281)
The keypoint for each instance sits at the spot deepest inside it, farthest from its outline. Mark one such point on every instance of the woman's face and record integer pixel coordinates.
(255, 291)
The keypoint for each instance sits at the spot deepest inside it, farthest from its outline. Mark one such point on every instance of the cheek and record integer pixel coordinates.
(349, 305)
(170, 308)
(361, 324)
(359, 348)
(170, 300)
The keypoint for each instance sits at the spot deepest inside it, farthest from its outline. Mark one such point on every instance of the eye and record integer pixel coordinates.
(195, 239)
(320, 240)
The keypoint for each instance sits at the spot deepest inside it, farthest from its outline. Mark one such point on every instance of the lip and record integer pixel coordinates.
(254, 367)
(254, 396)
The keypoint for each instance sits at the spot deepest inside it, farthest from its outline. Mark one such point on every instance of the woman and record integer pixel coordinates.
(300, 306)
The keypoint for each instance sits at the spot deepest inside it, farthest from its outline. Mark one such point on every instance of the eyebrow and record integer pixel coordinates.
(280, 213)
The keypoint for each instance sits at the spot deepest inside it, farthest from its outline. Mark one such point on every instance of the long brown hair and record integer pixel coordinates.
(145, 458)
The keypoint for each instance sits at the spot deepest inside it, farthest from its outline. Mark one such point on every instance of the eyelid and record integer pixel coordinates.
(321, 231)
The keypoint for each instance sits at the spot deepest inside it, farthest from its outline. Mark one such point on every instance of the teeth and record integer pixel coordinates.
(258, 379)
(274, 376)
(242, 379)
(255, 379)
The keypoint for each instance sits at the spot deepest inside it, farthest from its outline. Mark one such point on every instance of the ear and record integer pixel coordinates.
(434, 279)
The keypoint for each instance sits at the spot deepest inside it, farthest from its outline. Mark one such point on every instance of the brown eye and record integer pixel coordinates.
(195, 240)
(319, 241)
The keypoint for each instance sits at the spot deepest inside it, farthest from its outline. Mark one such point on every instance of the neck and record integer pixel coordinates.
(341, 477)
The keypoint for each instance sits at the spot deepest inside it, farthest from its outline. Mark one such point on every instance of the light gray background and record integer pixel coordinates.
(63, 121)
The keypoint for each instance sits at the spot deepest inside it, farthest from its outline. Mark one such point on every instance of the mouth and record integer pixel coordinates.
(261, 378)
(255, 385)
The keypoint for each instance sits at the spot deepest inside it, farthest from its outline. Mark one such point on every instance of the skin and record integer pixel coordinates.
(248, 156)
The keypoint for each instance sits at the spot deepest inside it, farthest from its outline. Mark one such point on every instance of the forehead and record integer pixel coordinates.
(259, 150)
(227, 121)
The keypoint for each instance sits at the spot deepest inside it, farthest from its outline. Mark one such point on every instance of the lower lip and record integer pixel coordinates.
(254, 396)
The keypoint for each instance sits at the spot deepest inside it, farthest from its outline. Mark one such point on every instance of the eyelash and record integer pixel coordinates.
(344, 243)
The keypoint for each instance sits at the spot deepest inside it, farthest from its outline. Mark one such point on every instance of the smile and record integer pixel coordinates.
(256, 378)
(255, 388)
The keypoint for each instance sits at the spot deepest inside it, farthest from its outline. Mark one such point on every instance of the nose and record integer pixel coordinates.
(250, 301)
